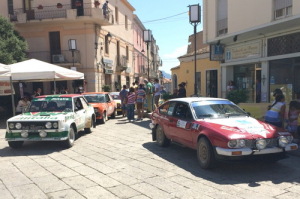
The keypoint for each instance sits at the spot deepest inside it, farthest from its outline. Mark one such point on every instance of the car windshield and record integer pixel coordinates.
(95, 98)
(51, 105)
(216, 109)
(115, 95)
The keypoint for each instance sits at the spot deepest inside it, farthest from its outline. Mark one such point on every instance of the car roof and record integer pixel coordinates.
(196, 99)
(58, 95)
(87, 93)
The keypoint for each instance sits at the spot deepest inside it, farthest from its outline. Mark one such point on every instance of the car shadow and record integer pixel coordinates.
(229, 173)
(37, 148)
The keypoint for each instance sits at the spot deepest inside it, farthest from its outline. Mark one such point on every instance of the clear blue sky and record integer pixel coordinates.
(171, 34)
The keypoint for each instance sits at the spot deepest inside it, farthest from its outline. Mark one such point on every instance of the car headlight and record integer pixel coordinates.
(261, 144)
(55, 125)
(48, 125)
(283, 141)
(18, 125)
(11, 125)
(236, 143)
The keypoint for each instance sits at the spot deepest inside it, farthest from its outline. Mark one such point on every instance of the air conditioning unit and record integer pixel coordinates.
(58, 58)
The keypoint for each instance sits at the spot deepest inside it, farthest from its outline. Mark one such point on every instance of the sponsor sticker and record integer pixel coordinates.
(181, 124)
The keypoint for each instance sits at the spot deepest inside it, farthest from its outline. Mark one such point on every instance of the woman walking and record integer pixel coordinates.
(130, 104)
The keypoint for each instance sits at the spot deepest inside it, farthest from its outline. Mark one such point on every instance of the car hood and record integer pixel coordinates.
(101, 106)
(38, 116)
(241, 128)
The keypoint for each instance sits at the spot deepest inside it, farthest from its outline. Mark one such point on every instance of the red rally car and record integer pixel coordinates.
(218, 129)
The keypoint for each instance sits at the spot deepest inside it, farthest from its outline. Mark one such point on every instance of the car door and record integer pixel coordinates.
(180, 124)
(79, 113)
(162, 118)
(87, 114)
(110, 105)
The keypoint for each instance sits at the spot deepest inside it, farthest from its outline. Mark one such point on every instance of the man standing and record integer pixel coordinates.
(157, 92)
(105, 9)
(149, 96)
(123, 95)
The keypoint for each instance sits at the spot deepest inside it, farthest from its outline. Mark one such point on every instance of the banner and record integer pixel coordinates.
(5, 88)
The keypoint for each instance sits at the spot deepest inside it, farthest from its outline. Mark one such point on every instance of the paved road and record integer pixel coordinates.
(119, 160)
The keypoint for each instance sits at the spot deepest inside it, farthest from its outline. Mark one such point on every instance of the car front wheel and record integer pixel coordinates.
(15, 144)
(161, 138)
(205, 154)
(103, 119)
(71, 138)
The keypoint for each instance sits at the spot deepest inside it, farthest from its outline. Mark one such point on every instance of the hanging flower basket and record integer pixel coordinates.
(40, 7)
(59, 5)
(97, 4)
(77, 3)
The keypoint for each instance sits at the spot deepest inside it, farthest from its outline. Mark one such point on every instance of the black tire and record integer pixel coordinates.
(113, 116)
(71, 138)
(104, 118)
(89, 130)
(161, 138)
(15, 144)
(205, 154)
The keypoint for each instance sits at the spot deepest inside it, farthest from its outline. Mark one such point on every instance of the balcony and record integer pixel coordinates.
(122, 64)
(64, 58)
(55, 14)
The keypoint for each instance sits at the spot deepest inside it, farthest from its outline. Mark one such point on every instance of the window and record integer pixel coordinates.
(10, 7)
(126, 22)
(182, 111)
(282, 8)
(127, 53)
(106, 45)
(117, 14)
(222, 17)
(164, 109)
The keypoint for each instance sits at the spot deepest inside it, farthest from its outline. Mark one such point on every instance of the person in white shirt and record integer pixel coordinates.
(157, 92)
(22, 105)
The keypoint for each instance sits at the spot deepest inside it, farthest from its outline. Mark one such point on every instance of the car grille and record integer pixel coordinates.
(272, 142)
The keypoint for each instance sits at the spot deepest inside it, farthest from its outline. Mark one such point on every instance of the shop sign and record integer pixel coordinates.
(252, 50)
(107, 62)
(108, 71)
(216, 52)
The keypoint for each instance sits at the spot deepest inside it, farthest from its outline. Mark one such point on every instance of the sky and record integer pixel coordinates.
(169, 22)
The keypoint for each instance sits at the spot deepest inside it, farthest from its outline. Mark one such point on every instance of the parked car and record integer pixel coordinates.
(117, 98)
(103, 104)
(51, 118)
(218, 129)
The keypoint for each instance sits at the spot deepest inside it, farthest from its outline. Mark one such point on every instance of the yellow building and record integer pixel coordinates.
(208, 73)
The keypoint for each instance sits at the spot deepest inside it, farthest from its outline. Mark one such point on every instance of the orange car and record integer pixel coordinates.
(103, 104)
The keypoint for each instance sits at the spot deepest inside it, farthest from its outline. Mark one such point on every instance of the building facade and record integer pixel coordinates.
(257, 44)
(102, 39)
(207, 72)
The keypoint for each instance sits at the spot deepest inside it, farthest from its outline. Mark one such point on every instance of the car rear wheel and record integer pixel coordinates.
(15, 144)
(71, 138)
(161, 138)
(205, 154)
(104, 118)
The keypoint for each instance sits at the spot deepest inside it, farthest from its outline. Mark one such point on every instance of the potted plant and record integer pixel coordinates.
(97, 4)
(59, 5)
(106, 88)
(40, 7)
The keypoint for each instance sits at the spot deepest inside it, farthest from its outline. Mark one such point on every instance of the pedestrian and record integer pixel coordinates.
(131, 97)
(181, 90)
(38, 92)
(276, 92)
(64, 91)
(230, 86)
(156, 92)
(22, 105)
(276, 112)
(123, 96)
(293, 114)
(149, 95)
(140, 98)
(105, 9)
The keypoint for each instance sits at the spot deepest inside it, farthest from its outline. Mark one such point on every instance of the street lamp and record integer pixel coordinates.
(195, 18)
(148, 39)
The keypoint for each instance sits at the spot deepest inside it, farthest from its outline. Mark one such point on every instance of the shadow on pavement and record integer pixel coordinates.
(229, 173)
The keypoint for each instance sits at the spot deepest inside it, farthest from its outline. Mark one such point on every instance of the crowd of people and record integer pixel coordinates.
(276, 114)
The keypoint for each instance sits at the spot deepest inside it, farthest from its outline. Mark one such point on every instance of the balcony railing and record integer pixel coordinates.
(55, 12)
(64, 57)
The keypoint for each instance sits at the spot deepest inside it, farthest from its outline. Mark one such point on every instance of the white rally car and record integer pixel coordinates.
(51, 118)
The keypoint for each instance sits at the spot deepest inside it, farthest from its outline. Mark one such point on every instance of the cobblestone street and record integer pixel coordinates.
(119, 160)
